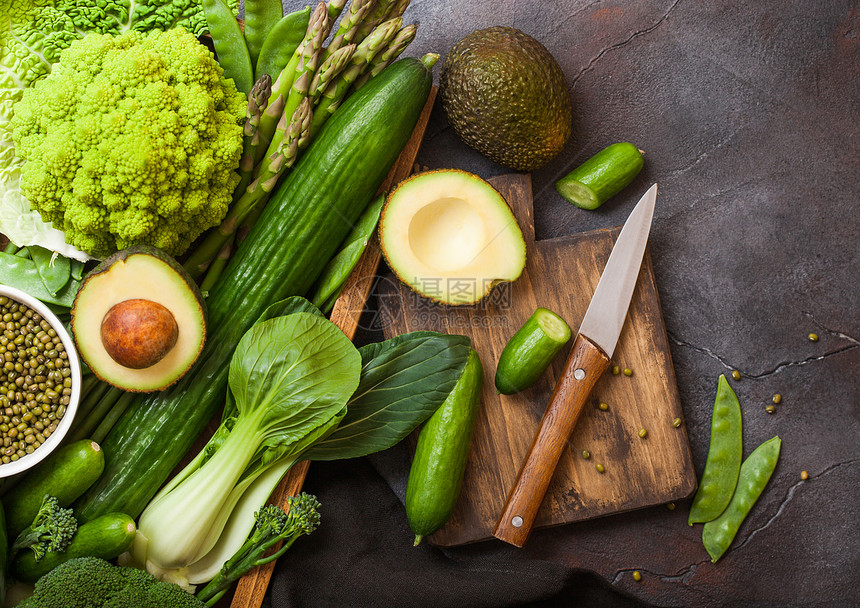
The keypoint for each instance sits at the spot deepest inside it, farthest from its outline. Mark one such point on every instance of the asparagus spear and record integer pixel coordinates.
(258, 99)
(329, 70)
(334, 94)
(318, 25)
(335, 8)
(217, 266)
(377, 15)
(398, 7)
(382, 60)
(294, 134)
(305, 69)
(349, 25)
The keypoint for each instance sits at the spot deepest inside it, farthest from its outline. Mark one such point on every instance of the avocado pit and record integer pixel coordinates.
(139, 333)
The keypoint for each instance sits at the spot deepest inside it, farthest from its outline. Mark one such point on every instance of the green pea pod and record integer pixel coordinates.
(54, 269)
(260, 16)
(339, 268)
(22, 274)
(229, 44)
(281, 42)
(77, 270)
(717, 535)
(724, 457)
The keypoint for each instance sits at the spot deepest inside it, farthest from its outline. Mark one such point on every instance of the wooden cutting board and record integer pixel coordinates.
(561, 274)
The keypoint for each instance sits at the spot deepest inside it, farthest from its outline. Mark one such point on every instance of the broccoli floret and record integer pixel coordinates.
(272, 525)
(52, 529)
(89, 582)
(132, 139)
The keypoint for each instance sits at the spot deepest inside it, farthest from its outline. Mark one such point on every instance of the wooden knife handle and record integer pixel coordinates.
(585, 365)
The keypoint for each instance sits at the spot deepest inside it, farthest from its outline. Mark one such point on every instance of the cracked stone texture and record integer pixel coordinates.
(748, 113)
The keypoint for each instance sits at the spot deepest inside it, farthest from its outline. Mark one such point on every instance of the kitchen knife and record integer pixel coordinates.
(589, 358)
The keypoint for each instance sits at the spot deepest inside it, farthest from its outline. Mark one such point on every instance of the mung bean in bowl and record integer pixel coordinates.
(40, 381)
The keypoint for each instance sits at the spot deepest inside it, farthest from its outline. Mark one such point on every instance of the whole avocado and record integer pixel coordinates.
(505, 96)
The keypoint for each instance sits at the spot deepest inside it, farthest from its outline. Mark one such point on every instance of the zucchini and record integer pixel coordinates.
(307, 218)
(440, 457)
(105, 537)
(602, 176)
(530, 351)
(65, 475)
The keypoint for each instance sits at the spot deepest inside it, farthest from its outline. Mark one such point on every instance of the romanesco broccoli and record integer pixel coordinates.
(33, 33)
(132, 139)
(88, 581)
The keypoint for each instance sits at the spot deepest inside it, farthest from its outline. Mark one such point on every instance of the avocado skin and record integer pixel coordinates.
(505, 96)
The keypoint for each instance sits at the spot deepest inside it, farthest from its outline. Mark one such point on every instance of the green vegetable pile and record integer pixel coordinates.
(88, 581)
(131, 139)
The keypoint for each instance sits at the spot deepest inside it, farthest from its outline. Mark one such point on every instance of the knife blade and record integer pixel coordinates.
(589, 358)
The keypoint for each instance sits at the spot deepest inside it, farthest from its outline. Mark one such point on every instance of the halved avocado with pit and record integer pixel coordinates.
(139, 320)
(450, 236)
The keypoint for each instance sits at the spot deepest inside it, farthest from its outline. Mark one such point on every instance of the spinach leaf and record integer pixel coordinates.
(292, 374)
(337, 271)
(53, 268)
(403, 381)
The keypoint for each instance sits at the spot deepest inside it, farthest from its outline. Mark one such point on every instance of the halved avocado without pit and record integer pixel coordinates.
(450, 236)
(139, 320)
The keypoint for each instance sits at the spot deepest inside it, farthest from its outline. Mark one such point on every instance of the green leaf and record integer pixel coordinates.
(282, 308)
(293, 373)
(403, 381)
(288, 306)
(54, 269)
(337, 271)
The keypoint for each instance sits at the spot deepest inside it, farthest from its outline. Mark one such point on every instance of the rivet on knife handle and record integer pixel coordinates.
(584, 367)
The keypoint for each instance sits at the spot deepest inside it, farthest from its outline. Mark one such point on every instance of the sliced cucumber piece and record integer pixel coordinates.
(530, 351)
(602, 176)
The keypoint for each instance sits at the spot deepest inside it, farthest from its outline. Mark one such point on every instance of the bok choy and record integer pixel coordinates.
(299, 390)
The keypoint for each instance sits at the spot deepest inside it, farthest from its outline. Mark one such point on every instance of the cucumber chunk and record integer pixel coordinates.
(602, 176)
(530, 351)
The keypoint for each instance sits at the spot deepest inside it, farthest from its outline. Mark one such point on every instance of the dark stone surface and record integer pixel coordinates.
(748, 113)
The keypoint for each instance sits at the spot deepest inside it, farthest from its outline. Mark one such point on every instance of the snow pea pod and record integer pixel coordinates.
(22, 274)
(54, 269)
(756, 470)
(229, 44)
(724, 457)
(281, 42)
(77, 269)
(260, 16)
(339, 268)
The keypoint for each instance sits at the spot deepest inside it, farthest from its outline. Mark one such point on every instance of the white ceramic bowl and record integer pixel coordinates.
(51, 443)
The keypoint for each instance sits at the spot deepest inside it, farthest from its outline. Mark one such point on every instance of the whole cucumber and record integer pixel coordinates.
(65, 475)
(530, 351)
(440, 458)
(105, 537)
(602, 176)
